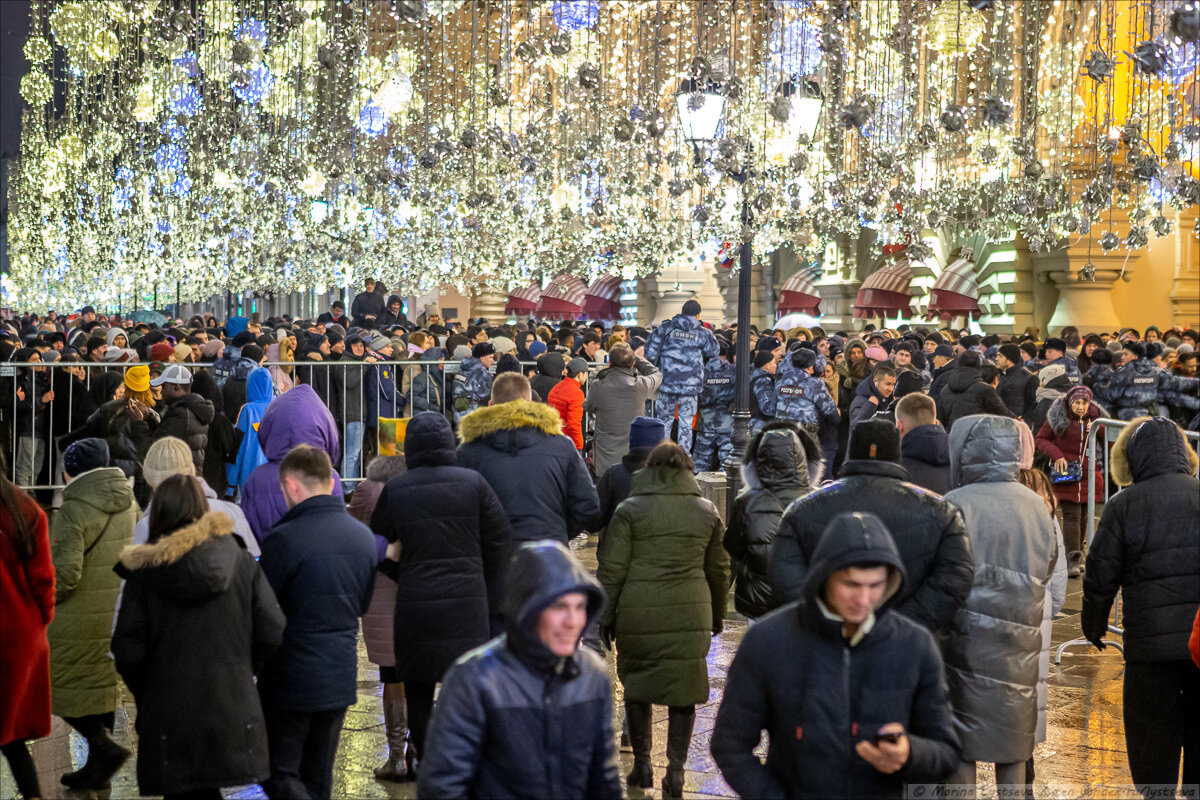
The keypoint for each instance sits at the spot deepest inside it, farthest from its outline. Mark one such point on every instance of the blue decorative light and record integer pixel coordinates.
(186, 100)
(796, 48)
(172, 129)
(170, 156)
(122, 196)
(573, 15)
(251, 28)
(124, 174)
(182, 187)
(372, 120)
(1185, 59)
(188, 62)
(254, 87)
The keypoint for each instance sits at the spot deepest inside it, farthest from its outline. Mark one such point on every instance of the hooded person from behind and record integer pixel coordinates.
(782, 463)
(799, 672)
(297, 417)
(992, 649)
(260, 391)
(517, 720)
(550, 370)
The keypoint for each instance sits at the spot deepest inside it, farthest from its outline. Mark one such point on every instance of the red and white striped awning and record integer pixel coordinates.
(562, 298)
(799, 295)
(603, 299)
(885, 292)
(955, 292)
(523, 302)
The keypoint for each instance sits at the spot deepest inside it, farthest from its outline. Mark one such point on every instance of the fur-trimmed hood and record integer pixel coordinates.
(1151, 446)
(1060, 419)
(782, 456)
(384, 468)
(190, 564)
(510, 416)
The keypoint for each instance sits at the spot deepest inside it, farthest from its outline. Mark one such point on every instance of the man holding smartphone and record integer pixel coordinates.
(853, 697)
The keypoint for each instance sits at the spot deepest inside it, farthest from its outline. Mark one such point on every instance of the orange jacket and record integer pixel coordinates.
(1194, 641)
(567, 399)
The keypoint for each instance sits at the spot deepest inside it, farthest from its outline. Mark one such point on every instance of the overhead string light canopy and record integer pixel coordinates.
(228, 145)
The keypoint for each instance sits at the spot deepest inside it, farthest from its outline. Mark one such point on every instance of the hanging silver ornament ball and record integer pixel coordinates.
(675, 187)
(623, 130)
(799, 161)
(1034, 170)
(560, 44)
(733, 89)
(653, 158)
(700, 214)
(764, 201)
(656, 126)
(411, 10)
(988, 154)
(598, 207)
(589, 77)
(1087, 273)
(527, 52)
(1151, 58)
(1185, 22)
(700, 68)
(1146, 169)
(242, 54)
(954, 118)
(997, 110)
(1107, 146)
(1137, 238)
(1098, 66)
(780, 108)
(1110, 240)
(1021, 207)
(499, 96)
(857, 112)
(1162, 226)
(528, 164)
(1172, 153)
(926, 135)
(564, 117)
(468, 139)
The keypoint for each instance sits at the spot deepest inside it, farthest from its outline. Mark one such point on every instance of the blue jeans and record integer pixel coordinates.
(352, 458)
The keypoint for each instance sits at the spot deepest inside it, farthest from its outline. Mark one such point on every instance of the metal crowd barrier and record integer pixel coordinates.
(26, 460)
(1110, 429)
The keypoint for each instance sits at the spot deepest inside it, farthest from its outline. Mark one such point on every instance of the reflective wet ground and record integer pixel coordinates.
(1084, 754)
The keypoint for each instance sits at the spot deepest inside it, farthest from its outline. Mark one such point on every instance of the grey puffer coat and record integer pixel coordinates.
(992, 648)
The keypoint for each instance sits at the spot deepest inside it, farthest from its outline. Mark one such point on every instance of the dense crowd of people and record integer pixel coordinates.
(217, 505)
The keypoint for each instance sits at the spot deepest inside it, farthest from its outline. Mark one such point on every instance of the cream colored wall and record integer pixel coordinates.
(1146, 298)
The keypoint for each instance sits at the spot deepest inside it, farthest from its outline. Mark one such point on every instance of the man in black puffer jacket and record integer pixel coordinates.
(924, 444)
(185, 415)
(529, 714)
(782, 463)
(966, 393)
(826, 675)
(552, 368)
(536, 472)
(1148, 547)
(928, 531)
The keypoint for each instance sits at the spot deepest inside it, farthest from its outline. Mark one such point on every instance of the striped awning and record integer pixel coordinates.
(602, 301)
(799, 295)
(885, 292)
(562, 298)
(955, 292)
(523, 302)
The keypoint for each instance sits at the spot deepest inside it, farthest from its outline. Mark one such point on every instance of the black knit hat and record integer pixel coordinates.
(874, 440)
(803, 359)
(1137, 348)
(84, 455)
(762, 358)
(1055, 344)
(908, 382)
(483, 349)
(1012, 352)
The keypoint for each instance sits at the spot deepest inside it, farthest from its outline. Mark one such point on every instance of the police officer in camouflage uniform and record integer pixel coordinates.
(1140, 383)
(678, 348)
(714, 439)
(473, 383)
(801, 397)
(762, 390)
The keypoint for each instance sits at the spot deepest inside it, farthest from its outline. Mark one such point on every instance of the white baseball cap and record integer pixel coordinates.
(174, 373)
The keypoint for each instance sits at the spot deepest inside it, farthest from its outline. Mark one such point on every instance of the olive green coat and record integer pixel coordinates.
(87, 536)
(666, 575)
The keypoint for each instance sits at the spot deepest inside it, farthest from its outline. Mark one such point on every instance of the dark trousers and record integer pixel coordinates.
(302, 745)
(419, 695)
(195, 794)
(1161, 706)
(23, 770)
(1074, 525)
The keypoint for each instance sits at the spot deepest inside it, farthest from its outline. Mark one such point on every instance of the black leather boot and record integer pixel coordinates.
(680, 722)
(641, 738)
(105, 757)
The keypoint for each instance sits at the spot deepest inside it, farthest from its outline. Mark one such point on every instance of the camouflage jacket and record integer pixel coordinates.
(718, 383)
(762, 394)
(678, 348)
(473, 384)
(802, 398)
(1138, 384)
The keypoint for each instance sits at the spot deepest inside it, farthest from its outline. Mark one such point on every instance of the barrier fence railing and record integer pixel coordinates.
(357, 394)
(1106, 431)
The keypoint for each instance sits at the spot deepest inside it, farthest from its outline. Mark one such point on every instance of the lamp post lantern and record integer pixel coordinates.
(701, 108)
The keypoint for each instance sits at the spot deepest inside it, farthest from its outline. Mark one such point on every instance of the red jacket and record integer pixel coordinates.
(567, 399)
(1063, 436)
(27, 600)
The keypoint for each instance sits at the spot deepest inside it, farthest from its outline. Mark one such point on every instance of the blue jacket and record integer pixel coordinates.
(426, 387)
(260, 391)
(1139, 383)
(762, 394)
(718, 384)
(861, 406)
(803, 398)
(818, 694)
(321, 563)
(390, 402)
(678, 347)
(515, 721)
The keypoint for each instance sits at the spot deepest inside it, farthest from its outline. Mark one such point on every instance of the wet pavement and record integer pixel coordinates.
(1084, 754)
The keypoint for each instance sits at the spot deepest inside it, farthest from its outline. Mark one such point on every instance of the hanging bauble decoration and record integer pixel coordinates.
(997, 110)
(857, 112)
(559, 44)
(589, 76)
(443, 8)
(1099, 66)
(1146, 169)
(1185, 22)
(1110, 241)
(623, 130)
(411, 10)
(1162, 226)
(1087, 273)
(1034, 170)
(1151, 58)
(954, 118)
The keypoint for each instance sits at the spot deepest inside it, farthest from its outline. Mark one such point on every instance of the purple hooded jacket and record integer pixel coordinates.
(295, 417)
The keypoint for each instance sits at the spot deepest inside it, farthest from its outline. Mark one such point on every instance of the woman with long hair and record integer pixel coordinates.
(197, 620)
(666, 575)
(27, 597)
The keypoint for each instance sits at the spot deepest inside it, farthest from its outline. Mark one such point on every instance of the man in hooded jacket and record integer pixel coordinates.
(830, 674)
(529, 714)
(1148, 547)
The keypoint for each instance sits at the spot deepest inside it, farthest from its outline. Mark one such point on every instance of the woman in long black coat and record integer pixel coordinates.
(454, 542)
(197, 620)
